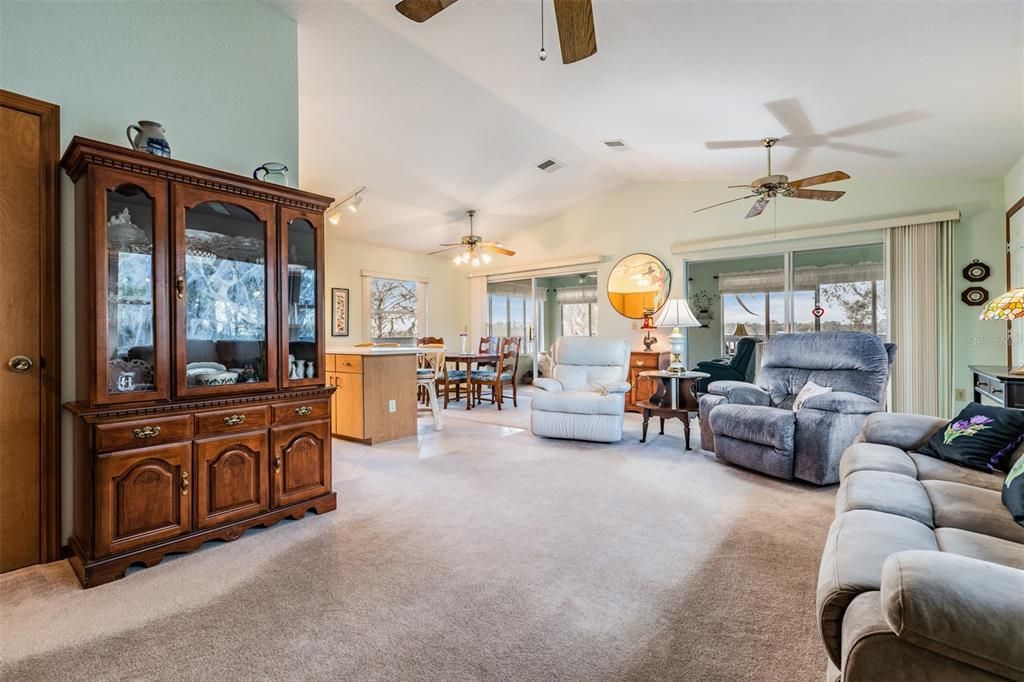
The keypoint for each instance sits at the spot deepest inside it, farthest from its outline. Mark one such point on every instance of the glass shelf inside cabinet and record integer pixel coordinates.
(226, 296)
(302, 304)
(130, 315)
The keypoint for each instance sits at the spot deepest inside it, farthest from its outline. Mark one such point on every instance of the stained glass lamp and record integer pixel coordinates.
(1008, 307)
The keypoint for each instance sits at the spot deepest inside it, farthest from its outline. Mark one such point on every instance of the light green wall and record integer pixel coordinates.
(649, 216)
(220, 76)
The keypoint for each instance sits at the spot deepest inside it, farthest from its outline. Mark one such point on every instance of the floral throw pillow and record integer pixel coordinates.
(980, 437)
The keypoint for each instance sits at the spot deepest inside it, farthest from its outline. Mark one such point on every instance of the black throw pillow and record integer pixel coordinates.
(1013, 488)
(980, 437)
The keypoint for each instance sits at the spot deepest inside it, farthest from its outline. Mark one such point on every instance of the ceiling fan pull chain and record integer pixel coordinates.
(543, 54)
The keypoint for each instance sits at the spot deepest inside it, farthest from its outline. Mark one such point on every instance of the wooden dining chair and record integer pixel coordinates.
(426, 342)
(427, 378)
(430, 341)
(495, 379)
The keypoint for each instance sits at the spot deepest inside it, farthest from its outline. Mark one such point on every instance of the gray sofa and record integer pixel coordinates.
(754, 426)
(922, 575)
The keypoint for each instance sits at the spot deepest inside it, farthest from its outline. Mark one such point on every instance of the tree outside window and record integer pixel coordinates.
(393, 309)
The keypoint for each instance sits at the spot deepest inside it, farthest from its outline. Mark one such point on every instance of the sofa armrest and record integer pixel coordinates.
(548, 384)
(843, 402)
(607, 387)
(740, 393)
(900, 430)
(962, 608)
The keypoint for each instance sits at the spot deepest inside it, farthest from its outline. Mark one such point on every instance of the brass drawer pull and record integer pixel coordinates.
(184, 483)
(147, 432)
(234, 420)
(277, 463)
(304, 410)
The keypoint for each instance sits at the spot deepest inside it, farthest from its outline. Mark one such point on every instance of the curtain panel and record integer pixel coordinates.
(921, 317)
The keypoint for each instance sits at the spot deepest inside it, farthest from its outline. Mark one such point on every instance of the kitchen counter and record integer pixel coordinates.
(375, 400)
(352, 350)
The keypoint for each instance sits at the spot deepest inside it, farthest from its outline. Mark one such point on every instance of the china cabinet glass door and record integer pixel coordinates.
(132, 348)
(301, 295)
(225, 252)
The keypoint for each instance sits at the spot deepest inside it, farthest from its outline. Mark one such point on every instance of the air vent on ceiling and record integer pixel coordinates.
(617, 145)
(550, 165)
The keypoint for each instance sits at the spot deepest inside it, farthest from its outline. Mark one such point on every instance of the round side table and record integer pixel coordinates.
(675, 398)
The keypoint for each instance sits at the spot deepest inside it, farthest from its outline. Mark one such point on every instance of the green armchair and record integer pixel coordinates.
(740, 367)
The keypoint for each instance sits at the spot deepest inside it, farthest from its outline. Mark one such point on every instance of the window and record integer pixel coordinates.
(395, 308)
(579, 319)
(510, 311)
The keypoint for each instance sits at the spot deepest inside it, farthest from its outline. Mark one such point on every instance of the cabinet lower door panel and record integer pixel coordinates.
(349, 397)
(142, 496)
(231, 478)
(301, 467)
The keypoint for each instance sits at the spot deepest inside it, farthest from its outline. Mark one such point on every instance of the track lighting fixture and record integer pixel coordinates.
(350, 202)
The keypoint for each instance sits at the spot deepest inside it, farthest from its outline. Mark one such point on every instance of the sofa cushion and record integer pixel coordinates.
(884, 491)
(874, 457)
(956, 505)
(579, 402)
(755, 424)
(978, 546)
(931, 469)
(980, 437)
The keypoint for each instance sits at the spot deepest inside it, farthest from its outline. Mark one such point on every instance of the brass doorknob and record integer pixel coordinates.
(20, 363)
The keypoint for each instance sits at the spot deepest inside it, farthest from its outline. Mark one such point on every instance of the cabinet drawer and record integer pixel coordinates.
(301, 411)
(350, 364)
(143, 432)
(645, 361)
(228, 421)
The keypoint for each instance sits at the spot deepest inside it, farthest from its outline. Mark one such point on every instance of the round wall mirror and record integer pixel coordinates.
(639, 284)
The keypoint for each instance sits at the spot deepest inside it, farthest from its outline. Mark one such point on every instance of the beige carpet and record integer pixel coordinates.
(477, 553)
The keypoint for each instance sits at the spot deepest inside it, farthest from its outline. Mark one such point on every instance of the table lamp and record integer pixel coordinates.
(647, 325)
(1008, 307)
(740, 331)
(676, 314)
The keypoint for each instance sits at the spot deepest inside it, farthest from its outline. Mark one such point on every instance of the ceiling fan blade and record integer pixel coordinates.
(790, 113)
(421, 10)
(758, 208)
(798, 157)
(741, 187)
(498, 248)
(723, 203)
(891, 121)
(819, 194)
(733, 144)
(867, 151)
(434, 253)
(576, 35)
(834, 176)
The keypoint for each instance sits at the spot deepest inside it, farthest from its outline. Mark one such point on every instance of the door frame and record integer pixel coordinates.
(1017, 206)
(49, 319)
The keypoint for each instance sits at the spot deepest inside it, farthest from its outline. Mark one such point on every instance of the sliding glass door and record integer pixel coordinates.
(800, 291)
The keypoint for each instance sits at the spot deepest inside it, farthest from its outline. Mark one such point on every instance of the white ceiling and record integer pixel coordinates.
(456, 112)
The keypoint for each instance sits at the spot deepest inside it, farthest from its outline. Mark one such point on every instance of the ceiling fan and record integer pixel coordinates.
(575, 19)
(474, 248)
(771, 186)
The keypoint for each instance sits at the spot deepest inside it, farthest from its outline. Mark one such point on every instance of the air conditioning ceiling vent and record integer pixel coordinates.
(550, 165)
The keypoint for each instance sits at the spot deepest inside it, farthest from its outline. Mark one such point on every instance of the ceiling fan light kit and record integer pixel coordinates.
(474, 250)
(772, 186)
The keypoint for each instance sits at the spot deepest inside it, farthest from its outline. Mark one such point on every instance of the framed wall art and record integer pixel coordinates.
(339, 312)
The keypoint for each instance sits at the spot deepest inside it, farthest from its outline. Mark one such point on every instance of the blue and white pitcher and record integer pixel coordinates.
(150, 138)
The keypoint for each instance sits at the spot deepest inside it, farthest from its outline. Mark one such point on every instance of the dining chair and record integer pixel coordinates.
(505, 373)
(427, 378)
(426, 342)
(430, 341)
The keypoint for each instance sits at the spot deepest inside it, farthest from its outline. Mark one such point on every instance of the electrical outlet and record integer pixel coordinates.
(961, 394)
(392, 406)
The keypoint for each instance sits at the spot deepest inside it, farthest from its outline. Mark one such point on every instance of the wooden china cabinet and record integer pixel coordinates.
(202, 408)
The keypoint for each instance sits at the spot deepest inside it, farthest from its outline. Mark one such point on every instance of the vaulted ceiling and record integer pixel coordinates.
(456, 113)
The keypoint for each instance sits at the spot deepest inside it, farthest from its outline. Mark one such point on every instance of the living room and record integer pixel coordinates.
(418, 278)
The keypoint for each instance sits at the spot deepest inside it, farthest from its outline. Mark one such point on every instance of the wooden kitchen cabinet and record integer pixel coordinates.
(375, 395)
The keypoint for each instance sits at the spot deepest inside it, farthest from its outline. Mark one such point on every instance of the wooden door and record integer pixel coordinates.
(231, 478)
(30, 341)
(301, 467)
(143, 496)
(301, 269)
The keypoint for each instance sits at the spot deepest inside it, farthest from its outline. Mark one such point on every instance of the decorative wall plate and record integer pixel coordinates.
(974, 296)
(976, 271)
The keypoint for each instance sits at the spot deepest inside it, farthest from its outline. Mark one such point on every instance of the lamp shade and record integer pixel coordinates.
(1009, 306)
(676, 313)
(740, 330)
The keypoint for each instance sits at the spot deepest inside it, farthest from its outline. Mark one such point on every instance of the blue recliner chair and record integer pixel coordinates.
(754, 426)
(740, 367)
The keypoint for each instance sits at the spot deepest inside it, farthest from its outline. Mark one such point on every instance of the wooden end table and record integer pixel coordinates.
(675, 398)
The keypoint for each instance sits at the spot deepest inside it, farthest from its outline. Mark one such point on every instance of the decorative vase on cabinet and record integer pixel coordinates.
(185, 396)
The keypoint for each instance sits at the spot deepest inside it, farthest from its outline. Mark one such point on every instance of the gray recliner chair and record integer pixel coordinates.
(754, 426)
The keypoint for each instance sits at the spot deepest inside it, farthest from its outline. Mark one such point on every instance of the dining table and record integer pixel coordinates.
(470, 359)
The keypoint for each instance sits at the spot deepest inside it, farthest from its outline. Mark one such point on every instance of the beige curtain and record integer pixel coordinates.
(921, 317)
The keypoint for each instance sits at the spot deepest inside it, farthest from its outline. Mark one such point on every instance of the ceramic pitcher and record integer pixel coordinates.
(150, 137)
